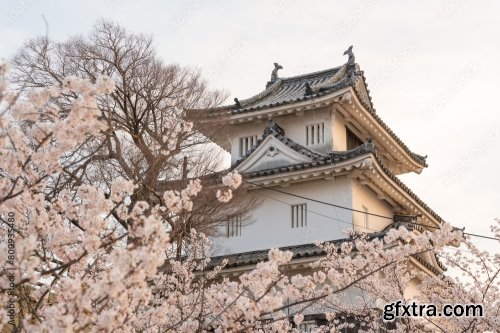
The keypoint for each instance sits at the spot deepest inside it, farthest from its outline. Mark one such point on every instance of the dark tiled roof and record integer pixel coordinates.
(254, 257)
(302, 251)
(293, 89)
(298, 251)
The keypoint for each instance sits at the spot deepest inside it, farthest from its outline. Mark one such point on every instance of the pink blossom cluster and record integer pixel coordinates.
(177, 202)
(232, 180)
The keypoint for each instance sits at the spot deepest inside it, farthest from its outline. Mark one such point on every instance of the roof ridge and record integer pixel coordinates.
(338, 76)
(331, 159)
(276, 84)
(301, 76)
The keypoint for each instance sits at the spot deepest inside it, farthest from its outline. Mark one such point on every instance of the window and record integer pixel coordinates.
(246, 144)
(315, 134)
(352, 140)
(234, 227)
(299, 215)
(365, 217)
(308, 326)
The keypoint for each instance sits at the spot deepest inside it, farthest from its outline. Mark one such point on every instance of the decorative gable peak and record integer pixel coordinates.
(270, 154)
(273, 128)
(273, 150)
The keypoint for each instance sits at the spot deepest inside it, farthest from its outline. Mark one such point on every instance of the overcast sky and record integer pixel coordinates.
(432, 68)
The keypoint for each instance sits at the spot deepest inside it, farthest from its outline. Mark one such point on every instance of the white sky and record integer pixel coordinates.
(432, 68)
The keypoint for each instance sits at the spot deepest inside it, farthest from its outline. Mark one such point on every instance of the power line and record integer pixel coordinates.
(359, 211)
(319, 214)
(319, 201)
(350, 224)
(313, 212)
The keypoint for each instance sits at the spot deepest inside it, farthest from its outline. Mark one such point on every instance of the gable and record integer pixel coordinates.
(271, 153)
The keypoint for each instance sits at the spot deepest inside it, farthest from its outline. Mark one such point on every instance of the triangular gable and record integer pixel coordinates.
(271, 153)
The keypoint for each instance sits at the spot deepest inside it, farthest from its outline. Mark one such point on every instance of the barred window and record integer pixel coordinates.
(315, 134)
(234, 227)
(299, 215)
(246, 144)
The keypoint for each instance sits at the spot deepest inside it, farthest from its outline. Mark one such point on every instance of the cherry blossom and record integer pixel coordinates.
(76, 269)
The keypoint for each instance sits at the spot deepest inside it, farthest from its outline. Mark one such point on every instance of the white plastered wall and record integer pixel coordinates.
(271, 221)
(339, 132)
(365, 198)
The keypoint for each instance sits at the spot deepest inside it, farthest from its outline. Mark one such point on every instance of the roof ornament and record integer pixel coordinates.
(237, 104)
(274, 74)
(309, 90)
(350, 61)
(272, 127)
